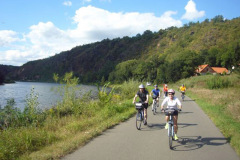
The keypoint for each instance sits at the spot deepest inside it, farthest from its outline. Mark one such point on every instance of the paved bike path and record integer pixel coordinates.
(199, 139)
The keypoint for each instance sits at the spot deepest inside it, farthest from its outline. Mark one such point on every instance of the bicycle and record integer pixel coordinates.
(140, 115)
(183, 95)
(171, 133)
(154, 104)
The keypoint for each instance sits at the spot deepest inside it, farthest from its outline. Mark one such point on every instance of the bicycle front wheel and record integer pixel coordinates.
(139, 120)
(170, 136)
(154, 110)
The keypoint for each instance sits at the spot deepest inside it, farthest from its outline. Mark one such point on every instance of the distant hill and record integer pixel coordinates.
(163, 56)
(5, 73)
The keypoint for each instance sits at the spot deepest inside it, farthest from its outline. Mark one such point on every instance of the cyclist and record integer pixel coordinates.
(172, 102)
(155, 93)
(183, 89)
(143, 95)
(165, 90)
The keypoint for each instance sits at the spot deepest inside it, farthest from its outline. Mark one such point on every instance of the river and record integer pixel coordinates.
(47, 97)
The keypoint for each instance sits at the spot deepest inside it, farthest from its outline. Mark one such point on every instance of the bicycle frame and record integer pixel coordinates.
(171, 132)
(154, 106)
(183, 95)
(139, 115)
(170, 126)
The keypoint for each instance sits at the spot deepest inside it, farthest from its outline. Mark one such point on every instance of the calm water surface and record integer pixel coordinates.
(47, 97)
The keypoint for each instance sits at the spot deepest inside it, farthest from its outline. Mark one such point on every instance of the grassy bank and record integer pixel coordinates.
(218, 96)
(55, 132)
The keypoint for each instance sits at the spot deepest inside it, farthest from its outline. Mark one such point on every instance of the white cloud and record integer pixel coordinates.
(192, 12)
(96, 23)
(67, 3)
(92, 24)
(7, 37)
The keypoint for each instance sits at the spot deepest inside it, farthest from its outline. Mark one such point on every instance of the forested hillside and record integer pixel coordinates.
(6, 70)
(163, 56)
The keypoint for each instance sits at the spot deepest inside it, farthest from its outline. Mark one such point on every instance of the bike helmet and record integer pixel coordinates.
(171, 91)
(155, 85)
(166, 85)
(141, 86)
(182, 84)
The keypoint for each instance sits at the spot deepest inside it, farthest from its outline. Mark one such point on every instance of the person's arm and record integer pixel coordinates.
(179, 103)
(163, 103)
(134, 99)
(146, 99)
(151, 93)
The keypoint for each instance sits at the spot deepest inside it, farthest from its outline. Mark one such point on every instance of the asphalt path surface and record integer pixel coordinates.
(199, 139)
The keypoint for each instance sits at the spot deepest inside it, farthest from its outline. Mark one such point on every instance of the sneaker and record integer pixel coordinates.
(166, 126)
(175, 137)
(145, 122)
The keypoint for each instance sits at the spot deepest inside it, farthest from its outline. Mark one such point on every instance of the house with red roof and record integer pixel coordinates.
(204, 69)
(220, 70)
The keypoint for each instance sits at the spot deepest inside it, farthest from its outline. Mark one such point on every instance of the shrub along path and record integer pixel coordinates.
(198, 139)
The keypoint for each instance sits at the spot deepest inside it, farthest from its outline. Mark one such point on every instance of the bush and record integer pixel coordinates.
(217, 82)
(9, 115)
(128, 88)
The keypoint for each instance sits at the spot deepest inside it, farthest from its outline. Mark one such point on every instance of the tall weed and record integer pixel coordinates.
(218, 82)
(9, 115)
(15, 142)
(32, 114)
(128, 88)
(104, 95)
(70, 103)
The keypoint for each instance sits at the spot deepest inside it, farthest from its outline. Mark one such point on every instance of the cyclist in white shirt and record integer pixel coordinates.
(172, 102)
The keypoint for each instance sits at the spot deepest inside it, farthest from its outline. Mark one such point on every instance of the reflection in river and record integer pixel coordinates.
(47, 97)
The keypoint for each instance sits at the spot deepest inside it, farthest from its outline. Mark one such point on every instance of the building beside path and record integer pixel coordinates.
(204, 69)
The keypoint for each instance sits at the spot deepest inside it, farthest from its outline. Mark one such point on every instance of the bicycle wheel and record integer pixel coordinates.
(182, 96)
(139, 120)
(170, 135)
(154, 107)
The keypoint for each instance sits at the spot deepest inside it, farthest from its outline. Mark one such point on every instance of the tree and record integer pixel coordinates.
(161, 76)
(2, 78)
(123, 71)
(211, 58)
(218, 18)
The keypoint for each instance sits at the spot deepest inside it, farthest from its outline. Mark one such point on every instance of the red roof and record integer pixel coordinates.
(201, 67)
(220, 69)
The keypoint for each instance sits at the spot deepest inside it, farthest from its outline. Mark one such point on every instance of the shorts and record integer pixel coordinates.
(166, 93)
(145, 105)
(175, 113)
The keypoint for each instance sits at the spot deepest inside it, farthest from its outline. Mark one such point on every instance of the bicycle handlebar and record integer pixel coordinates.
(164, 109)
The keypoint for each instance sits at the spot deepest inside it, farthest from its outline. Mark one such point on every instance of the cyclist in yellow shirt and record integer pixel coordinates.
(183, 90)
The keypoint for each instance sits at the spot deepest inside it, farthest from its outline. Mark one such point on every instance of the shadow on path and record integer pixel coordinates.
(183, 125)
(189, 143)
(187, 100)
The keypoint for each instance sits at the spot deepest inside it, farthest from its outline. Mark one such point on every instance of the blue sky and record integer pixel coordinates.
(31, 30)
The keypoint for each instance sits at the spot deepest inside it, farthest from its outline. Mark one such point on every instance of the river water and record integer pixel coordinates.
(47, 97)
